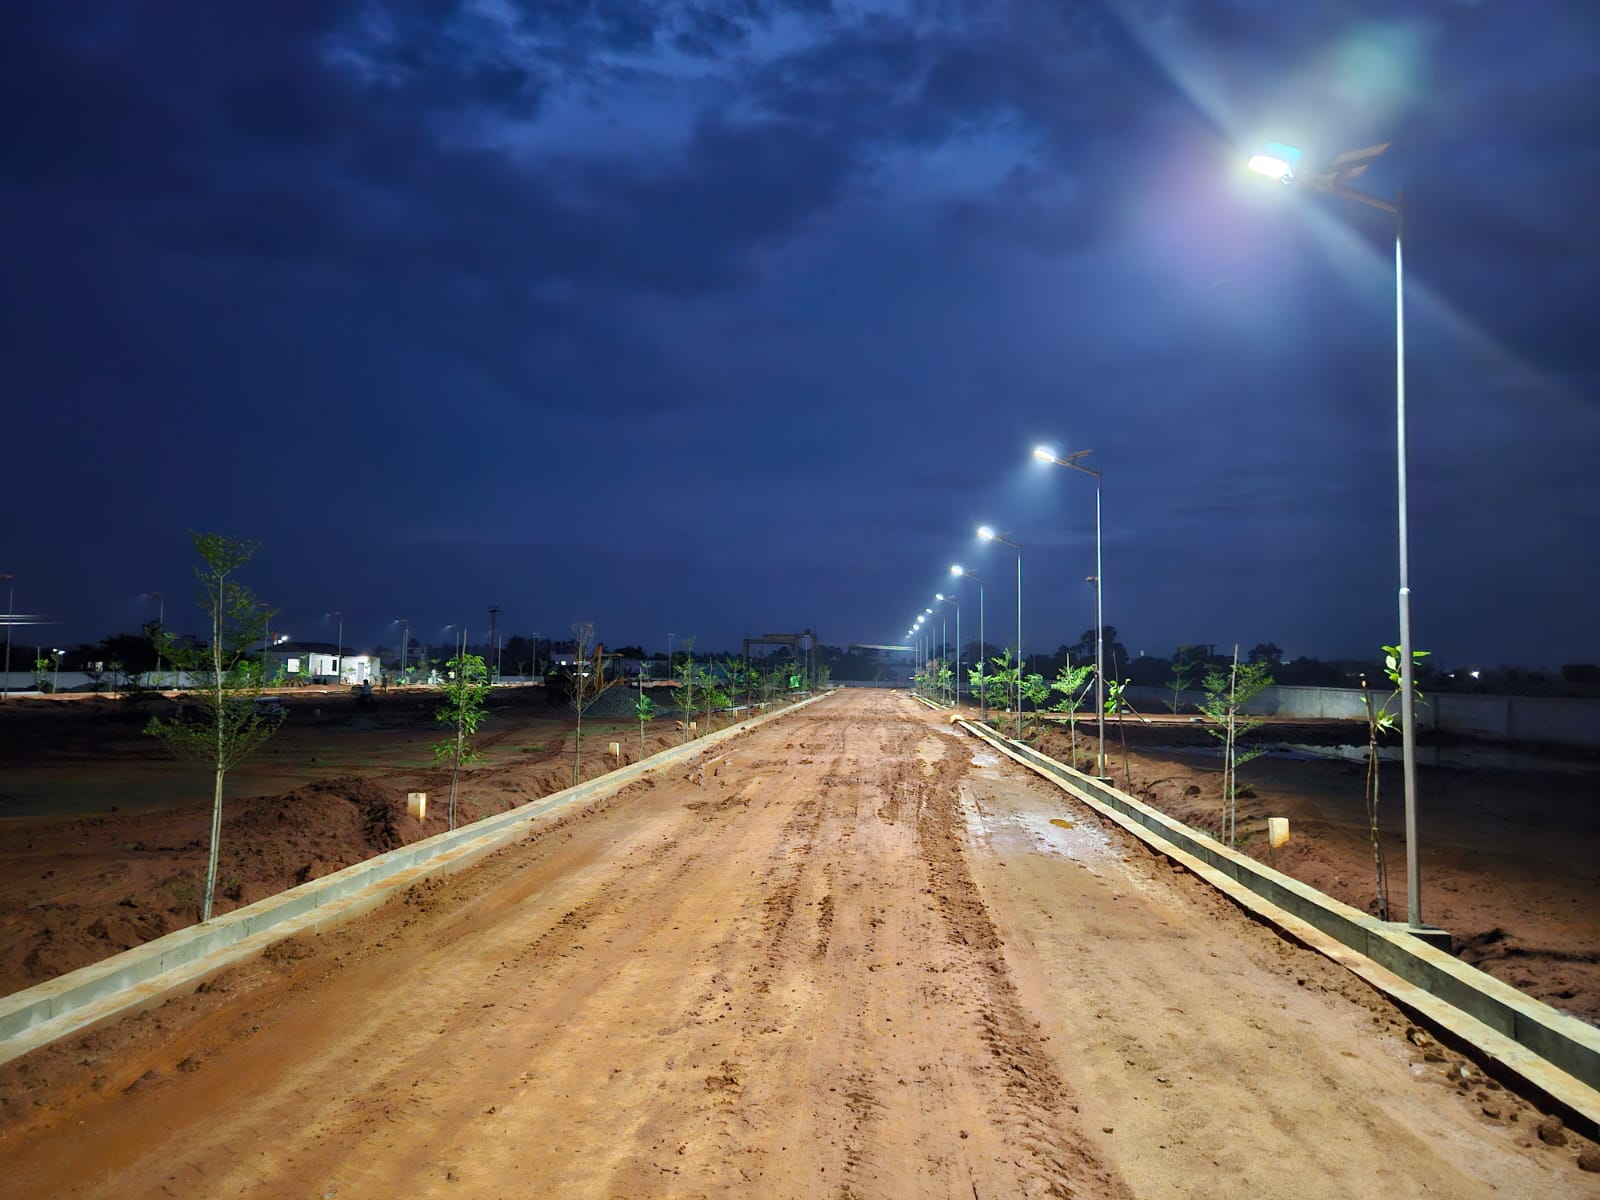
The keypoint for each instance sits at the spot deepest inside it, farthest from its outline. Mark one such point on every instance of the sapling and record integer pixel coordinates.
(1036, 691)
(465, 691)
(1182, 671)
(1226, 695)
(227, 726)
(1073, 684)
(1381, 719)
(643, 707)
(585, 686)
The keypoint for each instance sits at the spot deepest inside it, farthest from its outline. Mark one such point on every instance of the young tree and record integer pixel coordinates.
(466, 689)
(585, 685)
(1381, 719)
(999, 684)
(227, 727)
(1226, 695)
(1182, 672)
(643, 706)
(1036, 691)
(1073, 684)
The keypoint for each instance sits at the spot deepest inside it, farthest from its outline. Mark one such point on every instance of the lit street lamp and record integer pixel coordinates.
(989, 535)
(983, 695)
(1045, 454)
(1280, 162)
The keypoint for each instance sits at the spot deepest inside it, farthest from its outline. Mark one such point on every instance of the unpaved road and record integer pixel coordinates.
(851, 954)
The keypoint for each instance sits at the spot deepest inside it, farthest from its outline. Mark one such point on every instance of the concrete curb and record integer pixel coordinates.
(1556, 1054)
(135, 978)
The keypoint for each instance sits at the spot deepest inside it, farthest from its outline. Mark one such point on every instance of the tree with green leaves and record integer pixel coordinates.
(1036, 691)
(1073, 685)
(1226, 696)
(465, 692)
(1182, 671)
(585, 685)
(998, 685)
(643, 707)
(227, 726)
(1380, 720)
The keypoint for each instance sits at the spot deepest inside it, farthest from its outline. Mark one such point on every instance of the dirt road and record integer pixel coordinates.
(851, 954)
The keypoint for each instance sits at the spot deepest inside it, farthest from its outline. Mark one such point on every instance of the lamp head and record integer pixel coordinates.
(1276, 161)
(1044, 454)
(986, 533)
(938, 595)
(955, 569)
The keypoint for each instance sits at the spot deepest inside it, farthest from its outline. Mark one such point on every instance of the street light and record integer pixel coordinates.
(954, 603)
(1279, 162)
(11, 612)
(405, 642)
(989, 535)
(1045, 454)
(983, 694)
(338, 658)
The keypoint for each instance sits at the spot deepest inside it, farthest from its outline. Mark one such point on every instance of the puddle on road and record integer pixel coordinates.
(984, 759)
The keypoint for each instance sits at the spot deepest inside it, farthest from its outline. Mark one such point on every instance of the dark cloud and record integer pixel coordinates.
(772, 299)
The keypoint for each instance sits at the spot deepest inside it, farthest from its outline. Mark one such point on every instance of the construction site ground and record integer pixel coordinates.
(852, 953)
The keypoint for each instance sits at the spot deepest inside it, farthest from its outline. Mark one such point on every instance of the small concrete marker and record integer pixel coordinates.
(417, 805)
(1277, 831)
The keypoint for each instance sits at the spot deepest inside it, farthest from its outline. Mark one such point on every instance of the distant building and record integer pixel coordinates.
(319, 662)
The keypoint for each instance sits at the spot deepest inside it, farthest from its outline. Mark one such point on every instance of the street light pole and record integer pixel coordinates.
(989, 535)
(983, 692)
(1045, 454)
(494, 636)
(405, 642)
(338, 659)
(1279, 162)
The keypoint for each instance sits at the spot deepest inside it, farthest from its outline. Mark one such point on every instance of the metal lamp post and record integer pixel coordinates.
(405, 643)
(1279, 162)
(494, 636)
(983, 693)
(989, 535)
(1045, 454)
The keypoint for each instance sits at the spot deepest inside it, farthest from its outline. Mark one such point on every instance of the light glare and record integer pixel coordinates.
(986, 533)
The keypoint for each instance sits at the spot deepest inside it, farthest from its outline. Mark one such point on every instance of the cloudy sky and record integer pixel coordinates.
(726, 317)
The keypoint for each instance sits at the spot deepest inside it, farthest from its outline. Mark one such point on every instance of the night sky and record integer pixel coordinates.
(735, 317)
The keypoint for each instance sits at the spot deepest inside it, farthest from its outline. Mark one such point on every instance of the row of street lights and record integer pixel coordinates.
(988, 534)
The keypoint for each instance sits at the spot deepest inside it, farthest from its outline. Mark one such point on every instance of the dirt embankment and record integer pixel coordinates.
(76, 889)
(1510, 860)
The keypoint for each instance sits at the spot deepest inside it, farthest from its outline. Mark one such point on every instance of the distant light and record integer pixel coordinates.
(938, 595)
(1474, 674)
(1044, 454)
(955, 569)
(929, 611)
(1275, 161)
(986, 533)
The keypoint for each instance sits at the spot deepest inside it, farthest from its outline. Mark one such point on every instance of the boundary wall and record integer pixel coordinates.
(1557, 1054)
(145, 974)
(1555, 720)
